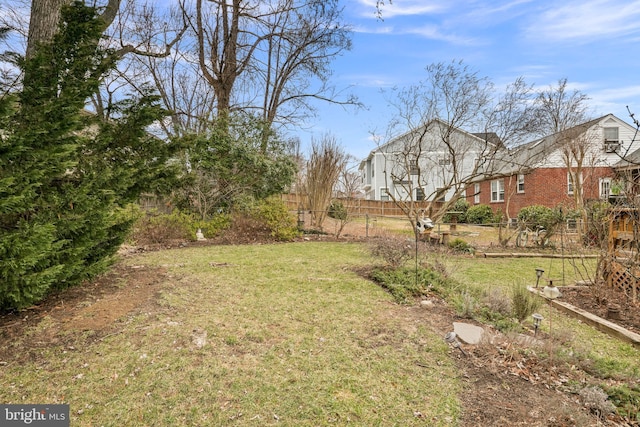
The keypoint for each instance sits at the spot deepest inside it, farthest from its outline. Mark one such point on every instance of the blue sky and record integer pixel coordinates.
(592, 43)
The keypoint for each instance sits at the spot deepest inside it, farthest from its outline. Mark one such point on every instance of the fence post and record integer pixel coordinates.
(367, 225)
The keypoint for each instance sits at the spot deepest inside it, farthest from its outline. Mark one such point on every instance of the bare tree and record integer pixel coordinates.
(189, 99)
(45, 17)
(127, 27)
(262, 56)
(564, 114)
(307, 42)
(345, 191)
(323, 169)
(458, 131)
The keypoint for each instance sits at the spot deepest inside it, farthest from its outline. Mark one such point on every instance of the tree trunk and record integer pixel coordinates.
(43, 24)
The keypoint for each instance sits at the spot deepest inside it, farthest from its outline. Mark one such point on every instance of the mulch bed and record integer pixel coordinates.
(603, 302)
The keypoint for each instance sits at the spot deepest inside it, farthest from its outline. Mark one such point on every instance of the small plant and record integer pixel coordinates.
(468, 305)
(626, 398)
(393, 251)
(406, 283)
(524, 303)
(459, 245)
(496, 301)
(596, 400)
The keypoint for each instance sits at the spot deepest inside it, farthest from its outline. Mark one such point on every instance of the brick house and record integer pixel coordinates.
(538, 172)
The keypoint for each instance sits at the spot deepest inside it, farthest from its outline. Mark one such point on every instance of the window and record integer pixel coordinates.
(413, 168)
(611, 141)
(497, 190)
(384, 194)
(476, 193)
(570, 186)
(521, 183)
(444, 161)
(442, 197)
(605, 188)
(419, 194)
(611, 134)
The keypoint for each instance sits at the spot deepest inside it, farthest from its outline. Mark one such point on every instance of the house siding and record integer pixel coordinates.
(544, 186)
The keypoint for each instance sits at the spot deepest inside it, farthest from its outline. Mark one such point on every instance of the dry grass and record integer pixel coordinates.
(252, 335)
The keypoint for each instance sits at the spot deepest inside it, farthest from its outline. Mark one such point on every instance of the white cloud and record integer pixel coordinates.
(402, 8)
(586, 20)
(370, 80)
(377, 29)
(619, 93)
(434, 32)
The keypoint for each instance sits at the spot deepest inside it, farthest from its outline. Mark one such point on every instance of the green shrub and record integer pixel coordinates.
(211, 227)
(406, 283)
(460, 245)
(461, 206)
(540, 216)
(480, 214)
(274, 214)
(338, 211)
(626, 399)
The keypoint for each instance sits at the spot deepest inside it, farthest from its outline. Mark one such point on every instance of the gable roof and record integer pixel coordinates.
(489, 137)
(526, 156)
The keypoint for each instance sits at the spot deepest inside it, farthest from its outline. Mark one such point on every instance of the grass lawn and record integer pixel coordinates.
(605, 356)
(283, 334)
(278, 334)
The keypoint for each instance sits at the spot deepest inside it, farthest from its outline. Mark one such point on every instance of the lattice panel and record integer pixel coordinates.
(620, 278)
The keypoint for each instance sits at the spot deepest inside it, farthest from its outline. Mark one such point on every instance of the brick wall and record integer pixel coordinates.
(544, 186)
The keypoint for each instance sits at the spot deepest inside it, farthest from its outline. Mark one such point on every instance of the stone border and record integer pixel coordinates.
(599, 323)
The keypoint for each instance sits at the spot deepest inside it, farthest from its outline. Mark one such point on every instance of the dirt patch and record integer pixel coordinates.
(505, 382)
(79, 315)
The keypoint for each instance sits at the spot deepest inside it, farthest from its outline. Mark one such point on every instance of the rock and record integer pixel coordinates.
(426, 303)
(469, 334)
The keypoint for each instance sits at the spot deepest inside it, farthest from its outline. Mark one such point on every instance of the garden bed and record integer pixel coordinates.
(608, 304)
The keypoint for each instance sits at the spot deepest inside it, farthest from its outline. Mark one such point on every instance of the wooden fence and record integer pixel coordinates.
(623, 272)
(355, 207)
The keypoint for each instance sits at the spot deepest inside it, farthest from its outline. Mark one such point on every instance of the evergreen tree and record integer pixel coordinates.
(237, 161)
(64, 175)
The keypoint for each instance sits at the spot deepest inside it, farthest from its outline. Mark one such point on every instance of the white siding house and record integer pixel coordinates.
(433, 162)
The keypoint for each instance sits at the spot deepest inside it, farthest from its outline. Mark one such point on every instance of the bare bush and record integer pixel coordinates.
(597, 401)
(496, 301)
(394, 251)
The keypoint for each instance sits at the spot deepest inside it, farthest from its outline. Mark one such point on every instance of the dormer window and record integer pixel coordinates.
(444, 161)
(611, 141)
